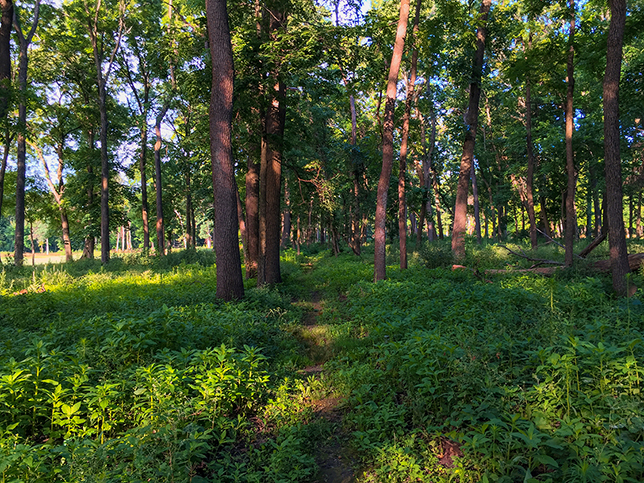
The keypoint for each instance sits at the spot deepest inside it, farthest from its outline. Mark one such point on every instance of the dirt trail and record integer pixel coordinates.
(332, 456)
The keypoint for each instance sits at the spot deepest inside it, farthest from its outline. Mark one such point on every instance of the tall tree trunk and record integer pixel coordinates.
(571, 219)
(477, 217)
(531, 161)
(158, 177)
(3, 166)
(638, 226)
(230, 284)
(23, 61)
(402, 169)
(388, 145)
(271, 166)
(190, 241)
(462, 190)
(33, 245)
(89, 245)
(614, 208)
(252, 218)
(270, 190)
(144, 186)
(101, 85)
(286, 230)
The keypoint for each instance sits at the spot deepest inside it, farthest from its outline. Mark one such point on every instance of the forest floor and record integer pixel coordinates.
(333, 456)
(431, 375)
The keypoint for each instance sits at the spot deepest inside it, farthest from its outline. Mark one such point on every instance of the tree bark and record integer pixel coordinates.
(614, 208)
(477, 217)
(380, 272)
(271, 166)
(23, 61)
(286, 230)
(144, 187)
(571, 219)
(252, 218)
(462, 190)
(158, 178)
(89, 245)
(230, 284)
(402, 168)
(531, 161)
(270, 190)
(3, 167)
(190, 241)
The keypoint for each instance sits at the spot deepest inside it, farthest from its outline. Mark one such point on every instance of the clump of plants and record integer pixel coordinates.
(136, 374)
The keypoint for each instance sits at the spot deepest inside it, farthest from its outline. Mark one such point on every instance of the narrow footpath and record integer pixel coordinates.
(333, 455)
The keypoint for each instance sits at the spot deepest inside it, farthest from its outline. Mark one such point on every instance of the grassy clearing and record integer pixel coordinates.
(137, 373)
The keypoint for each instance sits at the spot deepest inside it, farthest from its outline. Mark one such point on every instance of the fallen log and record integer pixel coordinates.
(635, 261)
(595, 243)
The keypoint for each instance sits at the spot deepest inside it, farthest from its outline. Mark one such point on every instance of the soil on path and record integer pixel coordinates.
(332, 456)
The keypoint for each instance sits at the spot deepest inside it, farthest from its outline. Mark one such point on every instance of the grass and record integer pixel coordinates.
(135, 372)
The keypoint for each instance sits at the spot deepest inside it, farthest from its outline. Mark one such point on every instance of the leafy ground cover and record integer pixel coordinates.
(137, 373)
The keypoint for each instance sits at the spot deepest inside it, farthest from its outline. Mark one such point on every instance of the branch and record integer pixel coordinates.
(122, 31)
(539, 260)
(53, 189)
(595, 243)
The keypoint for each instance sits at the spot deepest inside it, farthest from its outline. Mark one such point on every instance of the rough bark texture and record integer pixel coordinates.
(402, 171)
(252, 218)
(380, 272)
(460, 207)
(271, 173)
(158, 181)
(571, 219)
(230, 284)
(614, 208)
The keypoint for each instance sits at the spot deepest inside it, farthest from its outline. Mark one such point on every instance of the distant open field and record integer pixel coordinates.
(45, 258)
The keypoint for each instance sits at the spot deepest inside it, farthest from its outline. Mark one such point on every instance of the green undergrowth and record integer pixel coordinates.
(136, 373)
(531, 378)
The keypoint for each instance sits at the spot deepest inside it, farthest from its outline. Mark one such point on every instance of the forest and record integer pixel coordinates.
(289, 241)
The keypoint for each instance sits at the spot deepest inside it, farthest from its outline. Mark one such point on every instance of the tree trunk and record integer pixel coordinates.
(638, 226)
(33, 246)
(402, 169)
(252, 218)
(190, 241)
(477, 217)
(270, 190)
(462, 190)
(531, 161)
(388, 145)
(271, 162)
(286, 230)
(571, 220)
(614, 208)
(144, 187)
(105, 170)
(230, 284)
(23, 61)
(3, 165)
(158, 178)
